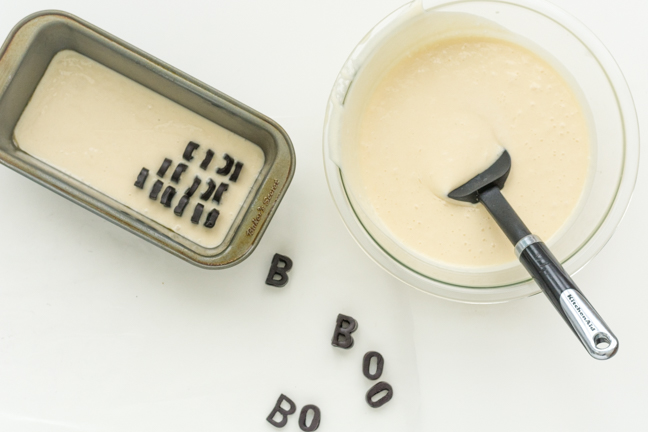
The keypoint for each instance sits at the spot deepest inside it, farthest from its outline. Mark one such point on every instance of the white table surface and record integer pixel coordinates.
(100, 331)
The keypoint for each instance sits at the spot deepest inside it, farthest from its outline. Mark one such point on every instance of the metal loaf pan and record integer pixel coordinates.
(25, 56)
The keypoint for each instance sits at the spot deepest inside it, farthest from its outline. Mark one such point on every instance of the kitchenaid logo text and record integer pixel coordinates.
(580, 312)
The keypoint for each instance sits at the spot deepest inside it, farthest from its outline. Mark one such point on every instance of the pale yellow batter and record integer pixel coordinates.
(103, 128)
(442, 114)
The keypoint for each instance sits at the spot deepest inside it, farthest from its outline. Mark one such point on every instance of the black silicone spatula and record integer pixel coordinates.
(570, 302)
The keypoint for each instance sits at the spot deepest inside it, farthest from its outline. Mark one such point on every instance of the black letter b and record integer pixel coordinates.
(344, 326)
(282, 272)
(284, 413)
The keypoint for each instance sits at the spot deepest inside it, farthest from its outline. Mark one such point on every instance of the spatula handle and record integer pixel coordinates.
(570, 302)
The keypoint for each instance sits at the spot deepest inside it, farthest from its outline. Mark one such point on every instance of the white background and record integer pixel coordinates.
(100, 331)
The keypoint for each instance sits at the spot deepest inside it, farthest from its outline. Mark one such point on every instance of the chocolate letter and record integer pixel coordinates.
(344, 326)
(194, 186)
(366, 363)
(317, 416)
(141, 178)
(195, 218)
(181, 168)
(237, 171)
(208, 158)
(284, 413)
(210, 190)
(155, 190)
(276, 270)
(211, 218)
(181, 205)
(229, 163)
(167, 196)
(188, 153)
(222, 188)
(378, 388)
(164, 167)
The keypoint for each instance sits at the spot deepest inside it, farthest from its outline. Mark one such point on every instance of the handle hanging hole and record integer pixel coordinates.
(601, 341)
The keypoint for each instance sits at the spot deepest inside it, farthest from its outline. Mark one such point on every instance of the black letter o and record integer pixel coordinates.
(317, 415)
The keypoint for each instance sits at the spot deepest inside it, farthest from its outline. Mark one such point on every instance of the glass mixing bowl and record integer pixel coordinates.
(604, 94)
